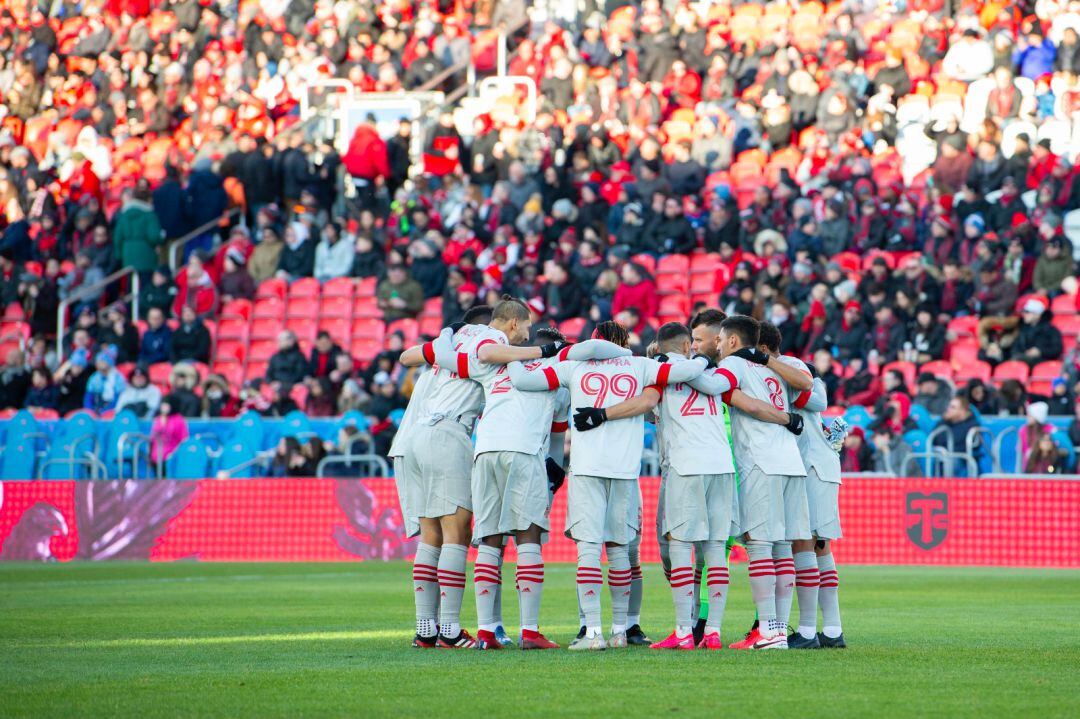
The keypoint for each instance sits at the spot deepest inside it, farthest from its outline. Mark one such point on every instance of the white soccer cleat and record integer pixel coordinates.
(618, 641)
(776, 642)
(584, 644)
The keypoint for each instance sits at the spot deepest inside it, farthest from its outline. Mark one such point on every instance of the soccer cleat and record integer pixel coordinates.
(618, 641)
(581, 632)
(749, 640)
(776, 642)
(831, 642)
(586, 643)
(487, 640)
(699, 630)
(502, 637)
(463, 640)
(675, 642)
(431, 642)
(635, 636)
(536, 640)
(711, 641)
(798, 641)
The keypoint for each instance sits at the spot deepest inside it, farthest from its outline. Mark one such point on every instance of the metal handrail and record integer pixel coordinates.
(373, 460)
(261, 459)
(84, 292)
(502, 61)
(178, 244)
(137, 439)
(97, 467)
(970, 445)
(999, 443)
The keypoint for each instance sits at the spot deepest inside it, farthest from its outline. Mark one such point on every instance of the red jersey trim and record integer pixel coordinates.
(463, 365)
(557, 427)
(552, 378)
(428, 350)
(662, 375)
(802, 399)
(728, 376)
(564, 353)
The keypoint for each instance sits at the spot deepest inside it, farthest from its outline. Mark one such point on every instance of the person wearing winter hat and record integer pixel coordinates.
(105, 385)
(140, 396)
(1038, 339)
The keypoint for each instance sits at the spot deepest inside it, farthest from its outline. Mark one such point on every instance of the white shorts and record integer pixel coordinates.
(772, 507)
(509, 493)
(823, 499)
(602, 510)
(439, 460)
(700, 507)
(406, 490)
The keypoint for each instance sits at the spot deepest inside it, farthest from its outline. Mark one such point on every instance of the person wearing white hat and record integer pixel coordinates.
(1038, 340)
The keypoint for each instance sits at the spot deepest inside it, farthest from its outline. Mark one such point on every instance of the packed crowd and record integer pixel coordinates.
(765, 136)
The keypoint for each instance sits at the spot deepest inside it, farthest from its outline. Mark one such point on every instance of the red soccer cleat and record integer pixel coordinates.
(487, 640)
(675, 642)
(536, 640)
(711, 641)
(752, 637)
(463, 640)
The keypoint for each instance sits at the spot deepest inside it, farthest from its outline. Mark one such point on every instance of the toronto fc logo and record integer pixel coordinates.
(927, 518)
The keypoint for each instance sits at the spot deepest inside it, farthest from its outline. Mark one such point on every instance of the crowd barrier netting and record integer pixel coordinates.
(994, 522)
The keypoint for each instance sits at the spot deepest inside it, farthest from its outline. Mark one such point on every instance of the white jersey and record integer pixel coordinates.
(816, 450)
(694, 433)
(765, 445)
(450, 398)
(516, 421)
(613, 450)
(415, 407)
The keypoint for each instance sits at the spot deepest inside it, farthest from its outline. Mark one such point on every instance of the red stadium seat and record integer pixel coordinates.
(963, 352)
(13, 311)
(303, 307)
(673, 264)
(963, 326)
(269, 307)
(1063, 305)
(266, 327)
(338, 328)
(849, 261)
(304, 287)
(409, 329)
(1011, 369)
(907, 369)
(1069, 325)
(339, 287)
(366, 287)
(940, 368)
(432, 308)
(159, 373)
(237, 308)
(973, 370)
(232, 328)
(365, 307)
(336, 306)
(704, 263)
(572, 327)
(672, 284)
(273, 287)
(231, 350)
(674, 308)
(261, 350)
(1047, 371)
(646, 261)
(430, 326)
(304, 327)
(255, 370)
(233, 372)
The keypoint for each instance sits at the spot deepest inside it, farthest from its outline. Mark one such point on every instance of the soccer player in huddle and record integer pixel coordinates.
(510, 475)
(816, 580)
(603, 503)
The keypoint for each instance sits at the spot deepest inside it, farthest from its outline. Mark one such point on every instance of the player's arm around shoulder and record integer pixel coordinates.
(818, 400)
(792, 371)
(720, 380)
(756, 408)
(540, 376)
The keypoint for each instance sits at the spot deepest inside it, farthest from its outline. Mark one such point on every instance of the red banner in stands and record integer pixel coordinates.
(1017, 523)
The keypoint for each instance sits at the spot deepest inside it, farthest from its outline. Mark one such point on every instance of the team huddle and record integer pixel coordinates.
(774, 484)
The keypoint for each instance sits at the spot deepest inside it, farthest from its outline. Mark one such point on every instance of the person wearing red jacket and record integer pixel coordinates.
(367, 162)
(195, 288)
(637, 290)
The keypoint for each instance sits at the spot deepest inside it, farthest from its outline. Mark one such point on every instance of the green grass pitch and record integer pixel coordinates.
(294, 640)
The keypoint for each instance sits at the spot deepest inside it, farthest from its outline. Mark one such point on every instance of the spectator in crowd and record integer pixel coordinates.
(156, 344)
(182, 383)
(298, 254)
(281, 402)
(1061, 399)
(288, 366)
(399, 296)
(367, 260)
(960, 422)
(334, 253)
(892, 453)
(266, 258)
(168, 430)
(1052, 267)
(140, 396)
(42, 394)
(105, 385)
(137, 233)
(288, 460)
(927, 337)
(217, 400)
(118, 332)
(1034, 427)
(191, 340)
(14, 380)
(236, 281)
(158, 293)
(71, 380)
(981, 397)
(932, 393)
(324, 356)
(1038, 339)
(320, 399)
(637, 291)
(1046, 457)
(856, 455)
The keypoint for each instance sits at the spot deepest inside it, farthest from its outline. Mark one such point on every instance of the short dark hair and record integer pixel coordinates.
(613, 332)
(510, 309)
(323, 334)
(770, 336)
(671, 332)
(479, 315)
(747, 329)
(709, 317)
(544, 335)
